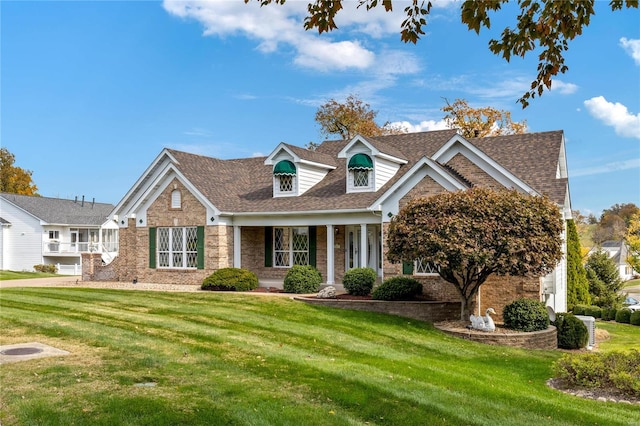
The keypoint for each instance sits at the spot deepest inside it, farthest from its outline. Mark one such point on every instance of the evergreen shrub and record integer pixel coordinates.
(623, 316)
(579, 309)
(359, 281)
(593, 311)
(397, 288)
(301, 279)
(572, 333)
(635, 318)
(526, 315)
(230, 279)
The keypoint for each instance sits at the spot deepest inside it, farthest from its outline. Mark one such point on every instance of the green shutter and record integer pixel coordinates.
(268, 246)
(200, 243)
(313, 242)
(407, 268)
(152, 248)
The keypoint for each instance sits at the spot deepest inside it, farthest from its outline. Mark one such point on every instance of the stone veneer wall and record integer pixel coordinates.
(545, 339)
(419, 310)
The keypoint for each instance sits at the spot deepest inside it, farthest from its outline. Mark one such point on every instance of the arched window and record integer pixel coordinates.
(360, 172)
(284, 178)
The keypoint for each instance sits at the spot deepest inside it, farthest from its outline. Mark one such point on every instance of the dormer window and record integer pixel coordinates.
(284, 178)
(360, 173)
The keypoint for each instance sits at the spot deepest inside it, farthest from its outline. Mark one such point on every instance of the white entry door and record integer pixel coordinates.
(353, 243)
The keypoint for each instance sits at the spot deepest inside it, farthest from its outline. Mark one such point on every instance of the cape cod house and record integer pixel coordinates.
(189, 215)
(618, 251)
(41, 230)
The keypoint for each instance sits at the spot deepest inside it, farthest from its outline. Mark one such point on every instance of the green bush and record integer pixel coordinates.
(526, 315)
(623, 316)
(618, 370)
(593, 311)
(572, 333)
(397, 288)
(611, 314)
(301, 279)
(635, 318)
(579, 309)
(359, 281)
(48, 268)
(606, 314)
(230, 279)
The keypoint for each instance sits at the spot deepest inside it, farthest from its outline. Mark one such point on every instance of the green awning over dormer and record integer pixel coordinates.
(284, 167)
(361, 161)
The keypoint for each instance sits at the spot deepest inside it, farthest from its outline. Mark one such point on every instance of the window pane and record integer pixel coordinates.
(176, 199)
(361, 178)
(286, 183)
(424, 267)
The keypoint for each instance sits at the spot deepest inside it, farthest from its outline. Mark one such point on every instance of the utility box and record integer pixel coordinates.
(590, 322)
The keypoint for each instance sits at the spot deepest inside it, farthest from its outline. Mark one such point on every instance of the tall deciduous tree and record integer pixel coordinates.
(543, 26)
(633, 240)
(14, 180)
(577, 284)
(472, 234)
(351, 117)
(480, 122)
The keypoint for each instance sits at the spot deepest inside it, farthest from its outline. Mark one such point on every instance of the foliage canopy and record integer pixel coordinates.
(15, 180)
(480, 122)
(472, 234)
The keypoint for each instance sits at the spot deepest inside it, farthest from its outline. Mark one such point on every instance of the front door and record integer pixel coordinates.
(353, 238)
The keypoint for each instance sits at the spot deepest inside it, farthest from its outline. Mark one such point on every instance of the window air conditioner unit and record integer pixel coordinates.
(590, 322)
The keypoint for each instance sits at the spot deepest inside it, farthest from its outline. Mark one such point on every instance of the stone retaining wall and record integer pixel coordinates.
(420, 310)
(545, 339)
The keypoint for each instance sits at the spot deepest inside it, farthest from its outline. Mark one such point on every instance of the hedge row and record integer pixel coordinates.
(622, 315)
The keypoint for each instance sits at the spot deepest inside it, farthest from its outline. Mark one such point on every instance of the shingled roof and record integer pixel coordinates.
(246, 185)
(61, 211)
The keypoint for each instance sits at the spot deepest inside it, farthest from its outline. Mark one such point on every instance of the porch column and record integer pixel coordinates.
(364, 248)
(237, 239)
(330, 255)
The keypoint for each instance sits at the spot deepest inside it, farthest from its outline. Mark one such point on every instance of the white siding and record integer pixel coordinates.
(308, 177)
(384, 170)
(23, 244)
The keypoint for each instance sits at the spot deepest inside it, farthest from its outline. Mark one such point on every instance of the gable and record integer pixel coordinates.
(425, 188)
(472, 173)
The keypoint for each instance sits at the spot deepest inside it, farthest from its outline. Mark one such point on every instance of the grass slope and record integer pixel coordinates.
(23, 275)
(229, 359)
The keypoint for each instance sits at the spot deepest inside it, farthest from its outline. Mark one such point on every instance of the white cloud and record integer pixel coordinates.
(632, 47)
(563, 88)
(423, 126)
(615, 166)
(615, 115)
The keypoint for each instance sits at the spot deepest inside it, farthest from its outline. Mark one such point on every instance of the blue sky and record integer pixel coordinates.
(91, 92)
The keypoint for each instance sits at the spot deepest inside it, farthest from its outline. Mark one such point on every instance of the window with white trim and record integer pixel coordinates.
(360, 173)
(422, 267)
(54, 235)
(178, 247)
(285, 183)
(290, 247)
(361, 178)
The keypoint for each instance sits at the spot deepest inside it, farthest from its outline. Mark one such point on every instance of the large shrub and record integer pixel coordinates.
(230, 279)
(579, 309)
(635, 318)
(618, 370)
(611, 314)
(526, 315)
(577, 284)
(302, 279)
(359, 281)
(572, 333)
(623, 316)
(397, 288)
(604, 279)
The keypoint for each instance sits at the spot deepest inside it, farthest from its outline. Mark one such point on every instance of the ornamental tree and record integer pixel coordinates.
(472, 234)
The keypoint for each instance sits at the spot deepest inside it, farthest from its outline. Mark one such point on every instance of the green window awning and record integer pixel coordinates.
(284, 167)
(361, 161)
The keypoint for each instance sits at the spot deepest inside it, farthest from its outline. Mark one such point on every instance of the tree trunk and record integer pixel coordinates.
(464, 308)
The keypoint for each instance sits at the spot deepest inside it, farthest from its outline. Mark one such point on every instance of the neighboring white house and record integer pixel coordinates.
(618, 251)
(41, 230)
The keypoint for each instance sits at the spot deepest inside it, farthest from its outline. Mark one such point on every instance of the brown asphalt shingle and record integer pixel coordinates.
(246, 185)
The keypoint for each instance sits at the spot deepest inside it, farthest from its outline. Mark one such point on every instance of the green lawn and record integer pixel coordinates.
(14, 275)
(223, 358)
(631, 283)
